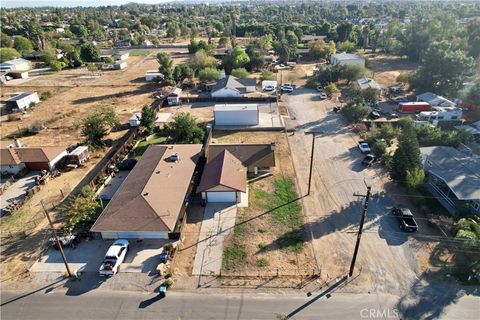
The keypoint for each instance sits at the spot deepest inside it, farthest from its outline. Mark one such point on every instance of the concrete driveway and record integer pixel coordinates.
(387, 256)
(142, 257)
(218, 222)
(17, 190)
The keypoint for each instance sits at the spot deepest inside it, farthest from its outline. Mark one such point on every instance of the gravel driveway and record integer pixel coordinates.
(387, 257)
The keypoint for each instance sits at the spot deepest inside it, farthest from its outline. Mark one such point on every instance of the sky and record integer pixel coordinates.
(69, 3)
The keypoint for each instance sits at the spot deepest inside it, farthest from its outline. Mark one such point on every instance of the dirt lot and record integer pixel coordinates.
(75, 93)
(387, 68)
(262, 236)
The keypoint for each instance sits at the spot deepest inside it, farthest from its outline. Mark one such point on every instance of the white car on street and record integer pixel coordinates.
(268, 88)
(364, 147)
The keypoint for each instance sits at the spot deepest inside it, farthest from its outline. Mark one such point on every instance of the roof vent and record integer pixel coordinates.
(158, 172)
(175, 157)
(145, 194)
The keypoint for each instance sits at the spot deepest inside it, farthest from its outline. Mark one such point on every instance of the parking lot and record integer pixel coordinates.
(389, 259)
(142, 257)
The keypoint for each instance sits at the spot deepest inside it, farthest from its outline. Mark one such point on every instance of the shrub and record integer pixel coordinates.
(209, 74)
(45, 95)
(267, 75)
(240, 73)
(262, 262)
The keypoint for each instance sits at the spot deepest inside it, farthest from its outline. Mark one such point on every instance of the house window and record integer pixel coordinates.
(454, 118)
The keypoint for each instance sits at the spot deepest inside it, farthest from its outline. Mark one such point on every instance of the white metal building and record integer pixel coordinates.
(134, 120)
(22, 100)
(236, 114)
(152, 74)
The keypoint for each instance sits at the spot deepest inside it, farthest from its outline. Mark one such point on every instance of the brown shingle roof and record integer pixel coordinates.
(8, 157)
(250, 155)
(224, 170)
(40, 154)
(151, 197)
(29, 154)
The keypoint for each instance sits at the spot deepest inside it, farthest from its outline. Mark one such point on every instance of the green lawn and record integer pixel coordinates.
(142, 146)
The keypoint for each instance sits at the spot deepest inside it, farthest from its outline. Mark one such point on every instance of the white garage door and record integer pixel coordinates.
(128, 235)
(221, 197)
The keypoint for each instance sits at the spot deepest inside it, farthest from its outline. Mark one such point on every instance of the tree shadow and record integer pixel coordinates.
(140, 90)
(89, 281)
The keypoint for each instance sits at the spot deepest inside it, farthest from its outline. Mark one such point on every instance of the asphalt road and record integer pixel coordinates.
(177, 305)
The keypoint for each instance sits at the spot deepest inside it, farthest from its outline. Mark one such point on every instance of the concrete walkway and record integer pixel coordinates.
(218, 222)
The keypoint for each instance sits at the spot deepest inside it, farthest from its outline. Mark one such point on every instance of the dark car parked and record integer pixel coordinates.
(407, 222)
(369, 160)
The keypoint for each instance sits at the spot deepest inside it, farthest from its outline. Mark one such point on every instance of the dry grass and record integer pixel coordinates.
(268, 240)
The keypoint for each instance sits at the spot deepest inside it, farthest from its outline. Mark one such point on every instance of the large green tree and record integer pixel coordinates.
(22, 45)
(89, 52)
(97, 125)
(148, 117)
(184, 129)
(407, 156)
(8, 54)
(238, 58)
(443, 70)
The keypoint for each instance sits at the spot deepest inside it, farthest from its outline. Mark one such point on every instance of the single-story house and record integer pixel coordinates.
(120, 64)
(152, 201)
(307, 38)
(22, 100)
(435, 100)
(230, 87)
(13, 160)
(236, 114)
(152, 75)
(367, 83)
(123, 43)
(257, 158)
(227, 167)
(453, 176)
(473, 129)
(19, 64)
(224, 178)
(347, 59)
(121, 56)
(173, 98)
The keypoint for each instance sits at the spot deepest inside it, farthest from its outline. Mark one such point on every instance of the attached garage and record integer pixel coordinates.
(236, 114)
(225, 196)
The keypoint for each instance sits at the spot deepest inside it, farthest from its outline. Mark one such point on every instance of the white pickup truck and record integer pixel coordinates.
(114, 257)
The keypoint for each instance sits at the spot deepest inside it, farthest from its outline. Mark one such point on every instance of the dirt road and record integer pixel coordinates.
(388, 258)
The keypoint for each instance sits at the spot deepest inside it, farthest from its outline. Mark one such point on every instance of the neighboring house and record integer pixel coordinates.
(473, 129)
(435, 100)
(152, 75)
(121, 56)
(16, 65)
(310, 38)
(152, 201)
(173, 98)
(236, 114)
(231, 87)
(453, 176)
(367, 83)
(10, 163)
(22, 100)
(123, 43)
(224, 177)
(119, 65)
(347, 59)
(33, 158)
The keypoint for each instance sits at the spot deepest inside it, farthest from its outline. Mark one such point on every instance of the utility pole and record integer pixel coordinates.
(311, 164)
(59, 244)
(360, 229)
